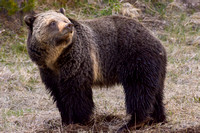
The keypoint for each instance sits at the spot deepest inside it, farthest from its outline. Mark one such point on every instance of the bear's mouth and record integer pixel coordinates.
(66, 38)
(67, 31)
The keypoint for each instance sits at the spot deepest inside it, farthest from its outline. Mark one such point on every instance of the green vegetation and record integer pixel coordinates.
(11, 6)
(95, 10)
(156, 7)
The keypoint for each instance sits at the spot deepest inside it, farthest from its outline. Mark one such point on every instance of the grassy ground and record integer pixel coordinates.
(25, 105)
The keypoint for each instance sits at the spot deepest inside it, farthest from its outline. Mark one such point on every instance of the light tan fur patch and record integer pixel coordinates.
(96, 67)
(53, 55)
(55, 52)
(61, 25)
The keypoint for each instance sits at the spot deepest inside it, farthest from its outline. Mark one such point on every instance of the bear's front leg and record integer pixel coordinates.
(75, 103)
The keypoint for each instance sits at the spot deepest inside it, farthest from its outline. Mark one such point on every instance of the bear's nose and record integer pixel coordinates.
(69, 27)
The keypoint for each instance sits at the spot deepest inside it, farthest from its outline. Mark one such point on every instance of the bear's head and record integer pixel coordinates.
(49, 33)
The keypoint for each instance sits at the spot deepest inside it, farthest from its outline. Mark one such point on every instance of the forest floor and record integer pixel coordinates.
(25, 105)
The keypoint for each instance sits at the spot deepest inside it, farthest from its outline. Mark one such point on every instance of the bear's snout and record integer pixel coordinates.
(69, 27)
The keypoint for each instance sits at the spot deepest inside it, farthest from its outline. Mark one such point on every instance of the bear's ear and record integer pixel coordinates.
(62, 10)
(29, 19)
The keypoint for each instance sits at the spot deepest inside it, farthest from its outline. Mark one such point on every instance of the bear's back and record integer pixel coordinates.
(113, 40)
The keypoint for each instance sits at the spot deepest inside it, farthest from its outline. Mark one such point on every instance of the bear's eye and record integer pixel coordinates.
(52, 24)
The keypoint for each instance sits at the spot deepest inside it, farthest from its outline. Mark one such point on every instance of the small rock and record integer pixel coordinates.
(176, 6)
(129, 10)
(195, 42)
(129, 1)
(195, 18)
(92, 2)
(192, 4)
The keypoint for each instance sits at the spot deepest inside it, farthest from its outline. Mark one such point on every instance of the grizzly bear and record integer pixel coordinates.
(73, 56)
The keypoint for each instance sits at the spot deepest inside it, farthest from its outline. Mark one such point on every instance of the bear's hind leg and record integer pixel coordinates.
(139, 103)
(141, 84)
(158, 114)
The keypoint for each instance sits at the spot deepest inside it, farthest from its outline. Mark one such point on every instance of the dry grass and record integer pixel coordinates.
(25, 105)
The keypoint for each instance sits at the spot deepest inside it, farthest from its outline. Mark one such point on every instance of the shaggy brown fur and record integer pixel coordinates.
(73, 56)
